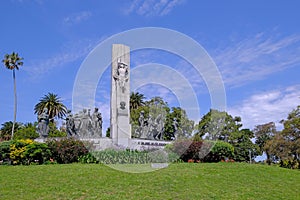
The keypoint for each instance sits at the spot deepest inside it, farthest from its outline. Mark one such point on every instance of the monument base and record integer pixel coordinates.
(98, 144)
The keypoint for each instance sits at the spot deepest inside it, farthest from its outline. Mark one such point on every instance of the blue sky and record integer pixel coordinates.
(254, 44)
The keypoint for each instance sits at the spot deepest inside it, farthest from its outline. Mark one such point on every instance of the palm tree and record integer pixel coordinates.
(54, 105)
(136, 100)
(13, 62)
(6, 128)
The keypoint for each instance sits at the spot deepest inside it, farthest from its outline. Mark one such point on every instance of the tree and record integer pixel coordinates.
(7, 128)
(218, 125)
(185, 125)
(13, 62)
(157, 101)
(264, 133)
(244, 149)
(278, 148)
(291, 132)
(28, 131)
(54, 105)
(136, 100)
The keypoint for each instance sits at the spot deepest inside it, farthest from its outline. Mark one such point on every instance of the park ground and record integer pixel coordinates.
(178, 181)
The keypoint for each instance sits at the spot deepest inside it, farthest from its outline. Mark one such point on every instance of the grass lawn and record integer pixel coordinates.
(178, 181)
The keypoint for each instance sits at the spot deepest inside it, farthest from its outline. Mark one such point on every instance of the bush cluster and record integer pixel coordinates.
(291, 164)
(69, 150)
(202, 151)
(5, 151)
(66, 150)
(28, 152)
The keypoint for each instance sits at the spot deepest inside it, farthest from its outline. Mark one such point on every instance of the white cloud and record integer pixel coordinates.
(152, 7)
(269, 106)
(256, 57)
(76, 18)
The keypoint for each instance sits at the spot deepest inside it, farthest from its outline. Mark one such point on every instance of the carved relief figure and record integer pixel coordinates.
(121, 75)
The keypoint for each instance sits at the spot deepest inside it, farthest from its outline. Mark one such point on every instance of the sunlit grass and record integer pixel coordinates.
(178, 181)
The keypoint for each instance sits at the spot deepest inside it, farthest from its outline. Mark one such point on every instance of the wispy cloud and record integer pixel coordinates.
(25, 1)
(256, 57)
(76, 18)
(269, 106)
(69, 53)
(152, 7)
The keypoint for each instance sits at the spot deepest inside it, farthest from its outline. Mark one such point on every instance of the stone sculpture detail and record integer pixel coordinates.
(121, 74)
(151, 128)
(43, 123)
(84, 125)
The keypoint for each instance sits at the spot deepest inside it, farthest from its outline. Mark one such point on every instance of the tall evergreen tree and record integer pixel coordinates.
(13, 62)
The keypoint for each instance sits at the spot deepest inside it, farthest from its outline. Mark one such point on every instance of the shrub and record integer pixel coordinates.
(54, 132)
(57, 133)
(110, 156)
(17, 151)
(37, 153)
(158, 156)
(87, 159)
(4, 151)
(28, 132)
(188, 149)
(220, 151)
(205, 150)
(291, 164)
(67, 150)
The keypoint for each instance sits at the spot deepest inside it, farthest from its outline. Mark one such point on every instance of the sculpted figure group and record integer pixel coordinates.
(151, 128)
(86, 125)
(82, 124)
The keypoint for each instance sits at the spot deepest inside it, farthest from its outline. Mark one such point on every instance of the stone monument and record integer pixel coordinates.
(120, 127)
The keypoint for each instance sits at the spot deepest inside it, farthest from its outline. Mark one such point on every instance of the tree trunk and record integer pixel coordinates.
(15, 104)
(268, 158)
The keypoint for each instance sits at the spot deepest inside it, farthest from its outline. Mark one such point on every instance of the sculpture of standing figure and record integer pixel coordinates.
(142, 130)
(158, 135)
(85, 124)
(175, 127)
(97, 122)
(70, 124)
(121, 74)
(43, 123)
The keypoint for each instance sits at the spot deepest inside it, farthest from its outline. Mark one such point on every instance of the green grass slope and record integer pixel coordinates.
(178, 181)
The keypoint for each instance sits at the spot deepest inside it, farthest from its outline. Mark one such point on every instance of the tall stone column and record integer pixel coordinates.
(120, 127)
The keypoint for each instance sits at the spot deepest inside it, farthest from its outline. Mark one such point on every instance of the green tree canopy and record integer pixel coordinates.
(264, 133)
(218, 125)
(6, 130)
(54, 105)
(185, 126)
(284, 146)
(136, 100)
(244, 148)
